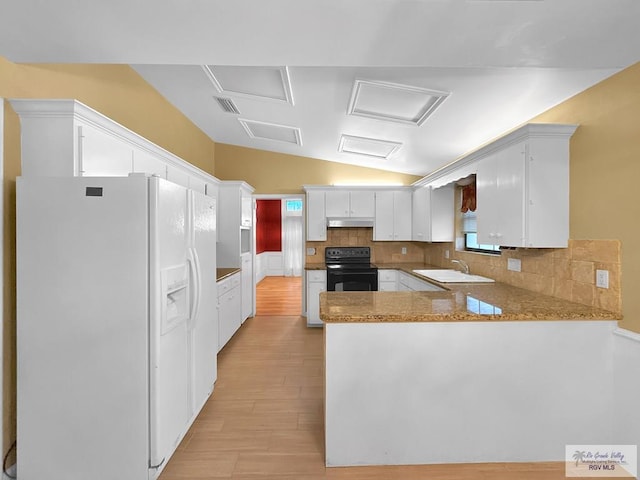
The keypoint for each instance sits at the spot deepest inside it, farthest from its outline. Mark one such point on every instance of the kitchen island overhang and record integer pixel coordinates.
(419, 378)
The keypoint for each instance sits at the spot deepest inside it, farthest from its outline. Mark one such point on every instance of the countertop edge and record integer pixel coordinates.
(222, 273)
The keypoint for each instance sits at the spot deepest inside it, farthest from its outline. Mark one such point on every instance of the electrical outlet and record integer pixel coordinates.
(311, 251)
(446, 254)
(514, 264)
(404, 250)
(602, 278)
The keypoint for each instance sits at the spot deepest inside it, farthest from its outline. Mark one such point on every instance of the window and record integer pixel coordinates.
(469, 224)
(471, 244)
(294, 205)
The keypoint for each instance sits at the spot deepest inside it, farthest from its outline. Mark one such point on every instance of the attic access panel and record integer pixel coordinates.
(370, 147)
(266, 83)
(394, 102)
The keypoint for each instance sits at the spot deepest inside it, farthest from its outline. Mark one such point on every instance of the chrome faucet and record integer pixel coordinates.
(463, 264)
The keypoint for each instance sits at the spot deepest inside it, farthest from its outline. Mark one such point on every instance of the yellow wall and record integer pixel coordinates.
(270, 172)
(118, 92)
(115, 91)
(605, 170)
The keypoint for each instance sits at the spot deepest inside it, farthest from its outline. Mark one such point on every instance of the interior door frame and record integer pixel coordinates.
(2, 425)
(2, 209)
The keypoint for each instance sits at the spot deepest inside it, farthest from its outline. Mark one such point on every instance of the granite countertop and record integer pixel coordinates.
(459, 302)
(222, 273)
(315, 266)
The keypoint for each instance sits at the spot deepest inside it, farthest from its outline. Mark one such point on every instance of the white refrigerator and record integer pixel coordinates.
(117, 327)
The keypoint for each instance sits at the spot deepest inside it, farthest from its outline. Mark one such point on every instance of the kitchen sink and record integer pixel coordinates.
(452, 276)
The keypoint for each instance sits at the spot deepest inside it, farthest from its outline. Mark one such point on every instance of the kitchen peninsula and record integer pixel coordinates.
(474, 373)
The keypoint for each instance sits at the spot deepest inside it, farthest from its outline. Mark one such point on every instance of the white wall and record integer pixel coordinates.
(626, 385)
(269, 264)
(450, 392)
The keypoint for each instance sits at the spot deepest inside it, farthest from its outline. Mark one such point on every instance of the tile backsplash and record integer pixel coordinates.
(381, 252)
(567, 273)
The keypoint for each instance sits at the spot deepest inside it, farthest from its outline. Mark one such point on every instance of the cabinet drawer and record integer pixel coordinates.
(235, 280)
(228, 296)
(387, 275)
(316, 276)
(228, 283)
(388, 287)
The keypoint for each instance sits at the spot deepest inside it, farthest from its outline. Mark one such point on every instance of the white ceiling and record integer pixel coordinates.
(502, 61)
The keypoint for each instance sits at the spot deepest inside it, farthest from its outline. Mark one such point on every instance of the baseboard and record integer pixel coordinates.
(622, 332)
(11, 471)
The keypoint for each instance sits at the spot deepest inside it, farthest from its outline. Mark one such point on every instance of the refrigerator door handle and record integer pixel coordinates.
(194, 272)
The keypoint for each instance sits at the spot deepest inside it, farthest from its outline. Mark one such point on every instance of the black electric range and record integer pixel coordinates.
(350, 269)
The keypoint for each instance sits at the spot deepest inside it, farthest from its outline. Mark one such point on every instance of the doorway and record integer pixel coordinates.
(279, 236)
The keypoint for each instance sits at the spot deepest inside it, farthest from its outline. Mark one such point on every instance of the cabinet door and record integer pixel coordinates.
(337, 203)
(362, 204)
(102, 155)
(178, 176)
(247, 286)
(146, 163)
(442, 214)
(501, 197)
(487, 200)
(547, 205)
(511, 196)
(246, 209)
(383, 225)
(387, 280)
(316, 283)
(316, 218)
(229, 312)
(420, 224)
(402, 215)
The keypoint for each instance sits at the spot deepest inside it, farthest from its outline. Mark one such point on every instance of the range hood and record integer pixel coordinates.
(349, 222)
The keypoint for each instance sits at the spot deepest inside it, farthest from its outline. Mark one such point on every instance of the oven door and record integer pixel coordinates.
(350, 281)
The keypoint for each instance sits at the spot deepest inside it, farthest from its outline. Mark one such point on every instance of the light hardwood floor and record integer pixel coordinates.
(279, 296)
(264, 420)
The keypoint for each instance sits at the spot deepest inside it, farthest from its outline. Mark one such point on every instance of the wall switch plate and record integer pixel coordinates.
(311, 251)
(514, 264)
(404, 250)
(602, 278)
(446, 254)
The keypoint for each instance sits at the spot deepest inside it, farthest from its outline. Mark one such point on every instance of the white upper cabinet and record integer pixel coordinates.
(522, 182)
(392, 215)
(316, 217)
(523, 190)
(232, 216)
(145, 162)
(501, 197)
(63, 137)
(345, 203)
(433, 216)
(246, 209)
(103, 155)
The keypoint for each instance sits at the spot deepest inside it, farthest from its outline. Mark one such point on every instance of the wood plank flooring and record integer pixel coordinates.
(279, 296)
(264, 420)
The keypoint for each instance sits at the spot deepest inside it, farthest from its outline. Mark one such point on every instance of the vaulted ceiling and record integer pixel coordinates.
(400, 85)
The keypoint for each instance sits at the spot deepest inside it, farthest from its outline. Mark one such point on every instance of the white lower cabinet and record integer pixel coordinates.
(316, 283)
(409, 283)
(229, 308)
(387, 280)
